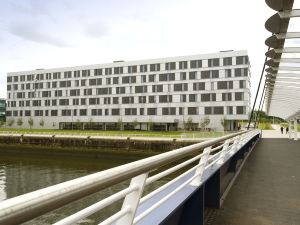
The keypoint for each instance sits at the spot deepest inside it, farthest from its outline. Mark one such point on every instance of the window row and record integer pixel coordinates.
(213, 110)
(192, 64)
(207, 97)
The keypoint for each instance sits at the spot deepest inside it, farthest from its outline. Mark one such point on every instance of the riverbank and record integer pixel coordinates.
(89, 146)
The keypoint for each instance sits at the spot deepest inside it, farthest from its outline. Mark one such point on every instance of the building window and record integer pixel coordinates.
(192, 75)
(130, 111)
(152, 78)
(103, 91)
(207, 110)
(182, 75)
(96, 112)
(83, 112)
(209, 97)
(181, 87)
(196, 64)
(151, 111)
(192, 110)
(108, 71)
(165, 98)
(157, 88)
(181, 111)
(225, 85)
(120, 90)
(128, 80)
(239, 96)
(200, 86)
(218, 110)
(94, 101)
(128, 100)
(228, 73)
(213, 62)
(229, 110)
(151, 99)
(226, 97)
(142, 99)
(240, 60)
(142, 111)
(242, 84)
(85, 73)
(241, 110)
(115, 112)
(183, 98)
(154, 67)
(192, 97)
(67, 74)
(107, 101)
(118, 70)
(115, 100)
(227, 61)
(143, 78)
(97, 72)
(169, 111)
(166, 76)
(143, 68)
(53, 112)
(132, 69)
(170, 66)
(183, 65)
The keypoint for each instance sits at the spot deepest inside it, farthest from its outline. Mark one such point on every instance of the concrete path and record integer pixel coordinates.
(277, 134)
(267, 191)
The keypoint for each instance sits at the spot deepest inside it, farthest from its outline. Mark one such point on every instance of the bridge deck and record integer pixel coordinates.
(267, 191)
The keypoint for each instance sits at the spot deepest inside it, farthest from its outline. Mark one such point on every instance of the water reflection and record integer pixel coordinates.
(21, 174)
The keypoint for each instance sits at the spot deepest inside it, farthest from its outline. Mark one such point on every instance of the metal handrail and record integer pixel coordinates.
(31, 205)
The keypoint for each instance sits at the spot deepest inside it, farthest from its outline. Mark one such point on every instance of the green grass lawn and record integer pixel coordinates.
(171, 134)
(265, 126)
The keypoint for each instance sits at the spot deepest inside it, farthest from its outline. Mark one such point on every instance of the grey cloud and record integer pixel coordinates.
(34, 33)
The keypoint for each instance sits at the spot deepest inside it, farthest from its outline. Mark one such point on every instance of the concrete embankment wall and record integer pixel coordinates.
(86, 144)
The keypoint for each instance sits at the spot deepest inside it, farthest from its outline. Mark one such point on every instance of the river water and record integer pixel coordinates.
(23, 173)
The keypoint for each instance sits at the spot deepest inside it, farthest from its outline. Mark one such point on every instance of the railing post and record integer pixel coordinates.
(224, 152)
(202, 163)
(132, 200)
(235, 145)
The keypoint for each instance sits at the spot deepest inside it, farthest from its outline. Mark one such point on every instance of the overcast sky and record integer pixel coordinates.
(59, 33)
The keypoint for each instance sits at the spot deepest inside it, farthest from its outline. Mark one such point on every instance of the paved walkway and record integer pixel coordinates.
(267, 191)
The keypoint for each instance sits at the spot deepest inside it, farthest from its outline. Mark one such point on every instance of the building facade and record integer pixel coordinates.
(158, 94)
(2, 109)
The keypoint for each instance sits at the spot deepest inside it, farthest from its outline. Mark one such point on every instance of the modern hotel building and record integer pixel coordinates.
(164, 94)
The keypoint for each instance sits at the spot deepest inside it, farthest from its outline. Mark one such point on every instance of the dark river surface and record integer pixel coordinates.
(23, 173)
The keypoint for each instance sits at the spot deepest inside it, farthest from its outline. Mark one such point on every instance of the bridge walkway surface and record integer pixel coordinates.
(267, 191)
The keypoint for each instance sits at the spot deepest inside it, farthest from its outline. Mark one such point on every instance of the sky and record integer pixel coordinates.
(60, 33)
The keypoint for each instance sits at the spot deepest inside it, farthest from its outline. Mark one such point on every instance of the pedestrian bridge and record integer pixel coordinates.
(250, 177)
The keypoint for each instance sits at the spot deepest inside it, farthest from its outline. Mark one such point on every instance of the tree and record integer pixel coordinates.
(150, 124)
(120, 124)
(135, 123)
(90, 123)
(10, 122)
(30, 122)
(20, 122)
(1, 123)
(78, 123)
(224, 122)
(189, 123)
(204, 122)
(42, 122)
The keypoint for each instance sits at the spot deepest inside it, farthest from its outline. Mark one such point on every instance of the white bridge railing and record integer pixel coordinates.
(150, 209)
